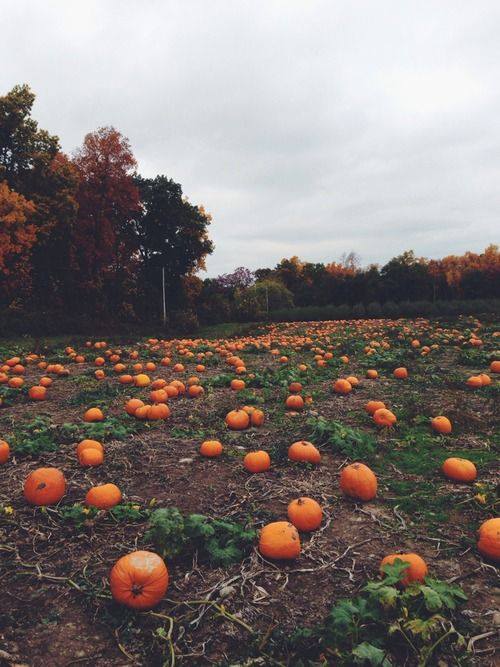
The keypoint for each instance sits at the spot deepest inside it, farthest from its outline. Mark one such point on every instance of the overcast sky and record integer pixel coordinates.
(305, 127)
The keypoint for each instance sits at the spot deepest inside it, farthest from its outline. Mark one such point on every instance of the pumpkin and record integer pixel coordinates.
(295, 388)
(475, 381)
(400, 373)
(99, 374)
(495, 366)
(195, 390)
(372, 406)
(158, 411)
(353, 380)
(259, 461)
(459, 470)
(237, 420)
(103, 496)
(305, 514)
(93, 415)
(139, 580)
(280, 541)
(4, 452)
(91, 457)
(489, 539)
(372, 374)
(342, 387)
(237, 385)
(85, 444)
(383, 417)
(141, 380)
(257, 418)
(417, 570)
(158, 396)
(37, 393)
(132, 405)
(294, 402)
(45, 382)
(211, 448)
(44, 486)
(358, 481)
(485, 379)
(15, 383)
(441, 425)
(304, 451)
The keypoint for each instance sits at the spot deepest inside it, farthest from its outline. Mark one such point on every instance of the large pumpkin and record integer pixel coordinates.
(305, 514)
(237, 420)
(44, 486)
(279, 540)
(304, 451)
(139, 580)
(103, 496)
(459, 470)
(358, 481)
(416, 571)
(489, 539)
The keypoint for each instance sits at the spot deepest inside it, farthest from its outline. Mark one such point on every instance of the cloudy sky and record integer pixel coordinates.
(309, 127)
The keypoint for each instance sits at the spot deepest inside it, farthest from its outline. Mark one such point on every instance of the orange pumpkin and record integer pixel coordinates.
(237, 385)
(141, 380)
(305, 514)
(304, 451)
(489, 539)
(93, 415)
(400, 373)
(475, 381)
(294, 402)
(417, 570)
(358, 481)
(85, 444)
(342, 387)
(44, 486)
(372, 374)
(4, 452)
(441, 425)
(295, 388)
(257, 418)
(103, 496)
(139, 580)
(459, 470)
(91, 457)
(132, 405)
(372, 406)
(383, 417)
(237, 420)
(495, 366)
(259, 461)
(279, 541)
(211, 448)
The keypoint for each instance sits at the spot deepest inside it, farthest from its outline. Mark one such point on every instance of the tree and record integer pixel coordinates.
(104, 241)
(238, 279)
(171, 234)
(17, 233)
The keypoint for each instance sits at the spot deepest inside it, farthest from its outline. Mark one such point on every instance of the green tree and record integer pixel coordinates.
(172, 234)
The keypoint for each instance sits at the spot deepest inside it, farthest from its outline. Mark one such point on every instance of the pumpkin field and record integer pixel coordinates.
(308, 493)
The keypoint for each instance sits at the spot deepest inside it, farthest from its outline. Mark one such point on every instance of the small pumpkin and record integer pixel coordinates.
(4, 452)
(358, 481)
(372, 406)
(93, 415)
(441, 425)
(489, 539)
(237, 385)
(211, 448)
(475, 381)
(304, 451)
(44, 486)
(400, 373)
(259, 461)
(132, 405)
(305, 514)
(372, 374)
(87, 443)
(459, 470)
(237, 420)
(342, 386)
(383, 417)
(294, 402)
(257, 418)
(91, 457)
(103, 496)
(37, 393)
(417, 570)
(139, 580)
(279, 541)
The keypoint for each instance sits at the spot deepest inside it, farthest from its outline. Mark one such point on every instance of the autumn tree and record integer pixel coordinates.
(172, 236)
(32, 165)
(104, 243)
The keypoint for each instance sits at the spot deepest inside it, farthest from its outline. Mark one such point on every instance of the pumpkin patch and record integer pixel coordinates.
(174, 482)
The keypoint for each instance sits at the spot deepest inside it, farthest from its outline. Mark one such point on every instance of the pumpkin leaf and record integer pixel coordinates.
(368, 653)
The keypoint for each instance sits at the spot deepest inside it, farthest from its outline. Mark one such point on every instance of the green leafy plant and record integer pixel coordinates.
(351, 442)
(387, 625)
(219, 542)
(35, 437)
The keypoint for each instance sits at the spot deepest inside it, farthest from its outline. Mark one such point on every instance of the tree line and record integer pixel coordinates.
(85, 240)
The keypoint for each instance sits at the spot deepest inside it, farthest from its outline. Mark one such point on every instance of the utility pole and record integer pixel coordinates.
(164, 297)
(267, 300)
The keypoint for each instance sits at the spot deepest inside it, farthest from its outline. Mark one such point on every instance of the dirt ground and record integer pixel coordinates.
(56, 609)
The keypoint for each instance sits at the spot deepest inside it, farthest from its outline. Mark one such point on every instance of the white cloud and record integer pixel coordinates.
(305, 127)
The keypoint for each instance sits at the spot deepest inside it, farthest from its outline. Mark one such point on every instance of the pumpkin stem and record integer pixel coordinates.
(42, 485)
(136, 590)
